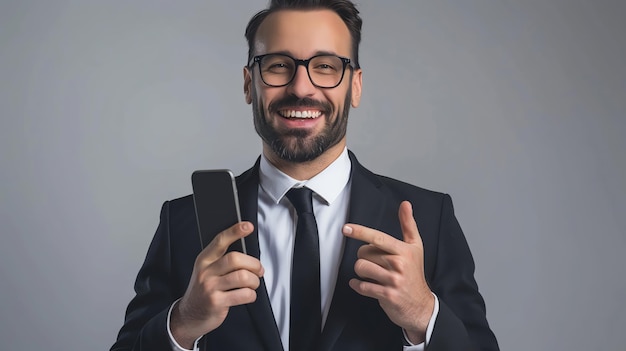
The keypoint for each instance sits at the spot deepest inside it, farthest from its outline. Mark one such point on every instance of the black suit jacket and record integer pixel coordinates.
(354, 322)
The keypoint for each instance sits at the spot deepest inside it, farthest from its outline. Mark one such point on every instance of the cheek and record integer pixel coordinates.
(260, 97)
(268, 96)
(339, 100)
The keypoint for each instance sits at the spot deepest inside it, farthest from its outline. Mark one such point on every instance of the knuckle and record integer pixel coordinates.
(240, 277)
(395, 280)
(201, 261)
(213, 300)
(242, 296)
(396, 263)
(218, 241)
(366, 251)
(388, 294)
(232, 278)
(379, 240)
(250, 295)
(244, 278)
(362, 286)
(360, 265)
(258, 268)
(231, 259)
(207, 285)
(361, 251)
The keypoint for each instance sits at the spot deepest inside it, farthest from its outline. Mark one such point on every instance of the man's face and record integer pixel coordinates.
(321, 114)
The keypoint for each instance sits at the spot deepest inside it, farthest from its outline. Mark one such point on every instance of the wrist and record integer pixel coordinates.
(417, 334)
(414, 338)
(181, 330)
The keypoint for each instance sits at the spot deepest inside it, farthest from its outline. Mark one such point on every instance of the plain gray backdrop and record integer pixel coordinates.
(515, 108)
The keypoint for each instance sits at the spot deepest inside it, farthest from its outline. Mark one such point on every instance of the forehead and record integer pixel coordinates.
(303, 33)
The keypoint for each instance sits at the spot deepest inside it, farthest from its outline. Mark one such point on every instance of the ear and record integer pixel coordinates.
(247, 85)
(357, 81)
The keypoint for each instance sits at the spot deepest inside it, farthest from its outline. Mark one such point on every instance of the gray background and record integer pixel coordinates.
(515, 108)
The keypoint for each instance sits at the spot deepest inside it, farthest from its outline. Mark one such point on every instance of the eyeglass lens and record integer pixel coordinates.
(324, 71)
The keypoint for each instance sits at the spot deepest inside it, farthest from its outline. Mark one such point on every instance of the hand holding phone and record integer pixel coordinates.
(220, 279)
(216, 203)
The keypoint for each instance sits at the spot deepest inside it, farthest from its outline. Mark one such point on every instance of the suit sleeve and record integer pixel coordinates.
(461, 323)
(145, 325)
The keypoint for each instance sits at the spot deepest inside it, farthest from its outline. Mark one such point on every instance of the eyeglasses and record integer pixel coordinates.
(278, 70)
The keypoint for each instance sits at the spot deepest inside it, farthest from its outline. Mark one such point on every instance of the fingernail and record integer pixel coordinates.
(347, 230)
(244, 226)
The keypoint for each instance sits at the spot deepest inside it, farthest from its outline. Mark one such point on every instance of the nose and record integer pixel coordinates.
(301, 84)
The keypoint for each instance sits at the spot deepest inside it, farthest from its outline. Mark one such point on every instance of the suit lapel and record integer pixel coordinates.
(365, 191)
(260, 310)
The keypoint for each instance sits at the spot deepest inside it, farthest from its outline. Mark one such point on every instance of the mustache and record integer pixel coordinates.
(294, 101)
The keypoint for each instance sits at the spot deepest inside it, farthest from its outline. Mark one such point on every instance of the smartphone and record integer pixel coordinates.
(216, 202)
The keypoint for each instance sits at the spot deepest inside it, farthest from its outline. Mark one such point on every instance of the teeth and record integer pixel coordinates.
(300, 114)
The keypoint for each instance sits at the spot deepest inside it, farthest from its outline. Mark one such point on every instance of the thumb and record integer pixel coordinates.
(410, 233)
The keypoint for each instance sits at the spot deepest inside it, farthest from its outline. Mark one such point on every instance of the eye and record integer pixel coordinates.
(276, 65)
(324, 65)
(325, 68)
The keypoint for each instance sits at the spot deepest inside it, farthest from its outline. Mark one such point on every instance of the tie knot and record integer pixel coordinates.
(301, 199)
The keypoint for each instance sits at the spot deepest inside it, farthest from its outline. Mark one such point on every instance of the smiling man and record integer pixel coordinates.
(301, 106)
(339, 258)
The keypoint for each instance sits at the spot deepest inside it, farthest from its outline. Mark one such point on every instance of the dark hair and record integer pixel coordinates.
(344, 8)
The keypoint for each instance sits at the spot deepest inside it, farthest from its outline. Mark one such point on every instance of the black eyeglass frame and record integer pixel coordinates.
(257, 59)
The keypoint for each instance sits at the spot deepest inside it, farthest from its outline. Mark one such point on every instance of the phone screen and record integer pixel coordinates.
(216, 202)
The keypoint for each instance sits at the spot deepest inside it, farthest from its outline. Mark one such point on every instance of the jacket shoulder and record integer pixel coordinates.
(184, 203)
(404, 187)
(401, 190)
(398, 189)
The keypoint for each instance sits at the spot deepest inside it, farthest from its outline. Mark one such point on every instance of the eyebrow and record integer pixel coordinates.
(319, 52)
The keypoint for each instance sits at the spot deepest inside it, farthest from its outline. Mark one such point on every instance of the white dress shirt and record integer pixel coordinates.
(277, 222)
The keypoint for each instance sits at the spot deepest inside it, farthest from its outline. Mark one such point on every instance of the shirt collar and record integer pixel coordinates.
(328, 184)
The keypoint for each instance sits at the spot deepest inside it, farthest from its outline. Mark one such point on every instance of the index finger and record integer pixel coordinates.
(220, 243)
(371, 236)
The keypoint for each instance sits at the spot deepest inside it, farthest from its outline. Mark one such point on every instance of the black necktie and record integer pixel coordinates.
(305, 316)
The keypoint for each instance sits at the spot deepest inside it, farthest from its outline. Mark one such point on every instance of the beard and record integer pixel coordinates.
(301, 145)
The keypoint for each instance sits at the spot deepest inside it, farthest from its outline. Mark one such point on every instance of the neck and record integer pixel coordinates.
(305, 170)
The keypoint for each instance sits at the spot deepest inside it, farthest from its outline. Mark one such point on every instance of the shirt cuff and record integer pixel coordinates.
(175, 346)
(429, 331)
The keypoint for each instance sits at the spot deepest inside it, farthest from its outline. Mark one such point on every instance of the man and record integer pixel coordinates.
(378, 282)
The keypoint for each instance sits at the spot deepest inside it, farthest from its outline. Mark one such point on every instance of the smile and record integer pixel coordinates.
(300, 114)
